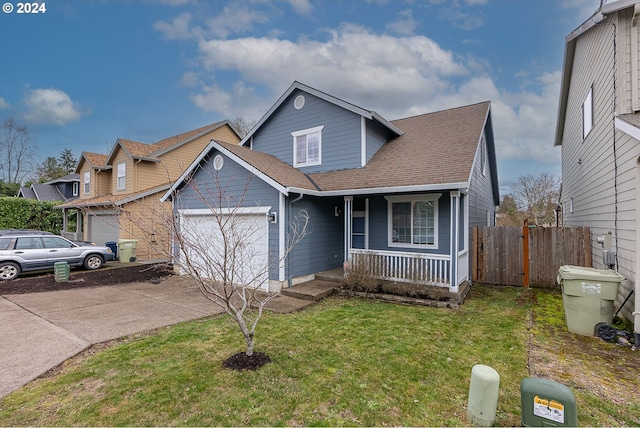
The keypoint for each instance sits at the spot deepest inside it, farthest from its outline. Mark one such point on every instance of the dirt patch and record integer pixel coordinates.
(115, 273)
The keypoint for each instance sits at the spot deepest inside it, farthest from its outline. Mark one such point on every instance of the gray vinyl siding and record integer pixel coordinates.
(378, 226)
(589, 168)
(241, 189)
(340, 137)
(323, 246)
(481, 192)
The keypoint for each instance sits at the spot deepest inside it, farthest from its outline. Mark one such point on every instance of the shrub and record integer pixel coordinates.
(21, 213)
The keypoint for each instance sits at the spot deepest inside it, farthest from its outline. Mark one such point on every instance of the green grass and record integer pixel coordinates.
(344, 362)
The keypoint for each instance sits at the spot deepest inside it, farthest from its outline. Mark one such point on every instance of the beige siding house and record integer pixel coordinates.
(598, 128)
(120, 191)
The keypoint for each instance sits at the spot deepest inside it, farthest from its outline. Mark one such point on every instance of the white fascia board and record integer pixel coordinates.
(261, 175)
(617, 5)
(462, 186)
(627, 128)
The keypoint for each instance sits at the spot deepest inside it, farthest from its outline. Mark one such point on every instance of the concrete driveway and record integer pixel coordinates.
(41, 330)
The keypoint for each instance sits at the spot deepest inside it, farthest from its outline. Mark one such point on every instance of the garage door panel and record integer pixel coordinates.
(228, 247)
(102, 228)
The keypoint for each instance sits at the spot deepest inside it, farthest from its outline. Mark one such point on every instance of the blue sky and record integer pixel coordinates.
(85, 73)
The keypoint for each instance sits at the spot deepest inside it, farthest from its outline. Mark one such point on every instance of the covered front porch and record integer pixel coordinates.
(443, 264)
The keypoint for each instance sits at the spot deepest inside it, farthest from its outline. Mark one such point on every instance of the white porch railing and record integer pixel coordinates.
(420, 268)
(463, 266)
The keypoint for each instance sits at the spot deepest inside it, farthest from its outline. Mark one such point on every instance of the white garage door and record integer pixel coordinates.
(234, 246)
(102, 228)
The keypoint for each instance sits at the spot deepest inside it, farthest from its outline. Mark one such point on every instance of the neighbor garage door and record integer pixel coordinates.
(247, 238)
(102, 228)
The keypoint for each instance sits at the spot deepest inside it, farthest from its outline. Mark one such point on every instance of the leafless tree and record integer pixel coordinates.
(242, 125)
(17, 151)
(537, 197)
(212, 245)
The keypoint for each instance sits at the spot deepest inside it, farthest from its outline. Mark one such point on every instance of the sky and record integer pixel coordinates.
(80, 74)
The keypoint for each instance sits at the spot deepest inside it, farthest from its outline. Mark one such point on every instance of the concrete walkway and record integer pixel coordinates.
(41, 330)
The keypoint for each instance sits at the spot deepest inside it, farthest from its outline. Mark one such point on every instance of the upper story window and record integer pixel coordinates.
(587, 114)
(307, 147)
(76, 188)
(413, 221)
(122, 176)
(86, 180)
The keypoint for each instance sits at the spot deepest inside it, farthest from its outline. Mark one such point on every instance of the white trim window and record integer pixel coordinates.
(483, 155)
(122, 176)
(587, 114)
(75, 188)
(307, 147)
(413, 221)
(86, 180)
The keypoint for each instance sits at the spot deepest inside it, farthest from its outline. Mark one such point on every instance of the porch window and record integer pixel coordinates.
(122, 176)
(413, 221)
(87, 182)
(307, 147)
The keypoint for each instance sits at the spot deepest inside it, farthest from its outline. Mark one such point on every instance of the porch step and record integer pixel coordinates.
(314, 290)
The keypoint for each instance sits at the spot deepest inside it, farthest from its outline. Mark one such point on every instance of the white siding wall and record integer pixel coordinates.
(588, 167)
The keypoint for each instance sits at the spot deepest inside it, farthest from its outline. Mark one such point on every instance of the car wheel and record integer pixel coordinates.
(93, 261)
(9, 271)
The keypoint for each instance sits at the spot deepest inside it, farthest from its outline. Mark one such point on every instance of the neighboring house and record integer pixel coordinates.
(131, 179)
(405, 191)
(60, 189)
(598, 128)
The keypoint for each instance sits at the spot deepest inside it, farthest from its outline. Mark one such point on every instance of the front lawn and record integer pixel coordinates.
(341, 362)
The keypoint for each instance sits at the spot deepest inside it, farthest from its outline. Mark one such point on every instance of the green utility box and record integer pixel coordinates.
(588, 297)
(127, 250)
(546, 403)
(61, 271)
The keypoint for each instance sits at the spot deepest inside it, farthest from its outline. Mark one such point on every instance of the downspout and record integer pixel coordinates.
(290, 280)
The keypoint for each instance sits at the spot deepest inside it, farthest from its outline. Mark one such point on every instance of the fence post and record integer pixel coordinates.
(525, 253)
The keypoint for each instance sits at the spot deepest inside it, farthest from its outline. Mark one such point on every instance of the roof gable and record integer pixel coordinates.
(372, 115)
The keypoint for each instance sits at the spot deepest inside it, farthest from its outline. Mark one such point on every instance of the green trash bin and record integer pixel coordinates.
(588, 297)
(127, 250)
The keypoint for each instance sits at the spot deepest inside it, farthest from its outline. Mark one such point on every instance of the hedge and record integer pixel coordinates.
(21, 213)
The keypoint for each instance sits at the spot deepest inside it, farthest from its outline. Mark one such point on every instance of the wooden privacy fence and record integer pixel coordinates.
(500, 256)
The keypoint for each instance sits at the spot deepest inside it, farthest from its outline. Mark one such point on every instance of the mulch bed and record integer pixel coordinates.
(111, 274)
(242, 361)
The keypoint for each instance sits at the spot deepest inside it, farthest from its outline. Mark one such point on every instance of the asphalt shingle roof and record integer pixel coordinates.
(436, 148)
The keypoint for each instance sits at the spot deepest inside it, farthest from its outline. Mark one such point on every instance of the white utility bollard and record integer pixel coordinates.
(483, 396)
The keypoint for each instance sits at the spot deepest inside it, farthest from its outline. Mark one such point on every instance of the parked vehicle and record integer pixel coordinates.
(23, 250)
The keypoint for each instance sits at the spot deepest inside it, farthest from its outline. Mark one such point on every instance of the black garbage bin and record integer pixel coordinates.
(114, 247)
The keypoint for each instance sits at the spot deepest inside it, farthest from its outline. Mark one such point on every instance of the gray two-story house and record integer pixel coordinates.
(598, 128)
(403, 194)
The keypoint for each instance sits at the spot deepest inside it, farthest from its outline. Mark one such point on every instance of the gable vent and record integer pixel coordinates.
(298, 103)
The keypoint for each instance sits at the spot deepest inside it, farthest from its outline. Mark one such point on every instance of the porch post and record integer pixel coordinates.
(348, 221)
(455, 230)
(64, 221)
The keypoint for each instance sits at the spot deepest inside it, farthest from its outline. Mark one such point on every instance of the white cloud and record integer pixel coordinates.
(236, 19)
(302, 7)
(179, 28)
(4, 104)
(404, 24)
(50, 106)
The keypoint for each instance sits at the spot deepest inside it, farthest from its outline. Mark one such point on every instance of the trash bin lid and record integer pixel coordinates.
(589, 274)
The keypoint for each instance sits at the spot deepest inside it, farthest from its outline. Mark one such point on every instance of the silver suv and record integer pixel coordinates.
(31, 250)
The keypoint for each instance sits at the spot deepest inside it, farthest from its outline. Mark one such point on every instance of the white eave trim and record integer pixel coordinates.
(627, 128)
(462, 186)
